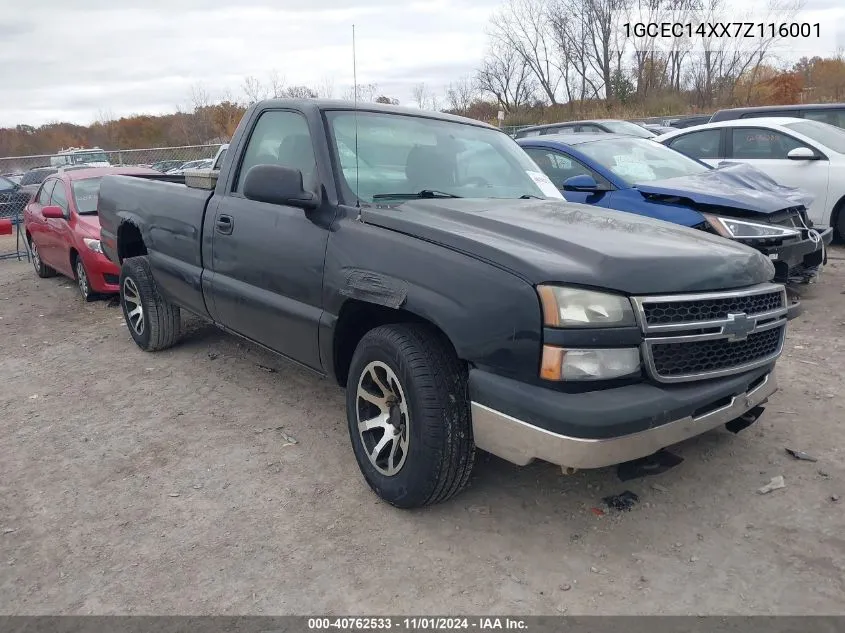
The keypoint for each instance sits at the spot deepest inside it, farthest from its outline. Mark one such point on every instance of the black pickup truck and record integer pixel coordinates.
(424, 262)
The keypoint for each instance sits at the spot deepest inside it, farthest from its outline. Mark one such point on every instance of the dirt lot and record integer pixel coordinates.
(166, 484)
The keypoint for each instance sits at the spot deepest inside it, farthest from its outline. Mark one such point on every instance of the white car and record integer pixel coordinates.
(795, 152)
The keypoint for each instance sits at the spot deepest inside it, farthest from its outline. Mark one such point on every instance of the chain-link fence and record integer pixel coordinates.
(161, 158)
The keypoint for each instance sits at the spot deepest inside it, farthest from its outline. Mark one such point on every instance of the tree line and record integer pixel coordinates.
(546, 61)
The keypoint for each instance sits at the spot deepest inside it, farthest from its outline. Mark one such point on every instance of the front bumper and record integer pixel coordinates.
(603, 428)
(792, 259)
(103, 275)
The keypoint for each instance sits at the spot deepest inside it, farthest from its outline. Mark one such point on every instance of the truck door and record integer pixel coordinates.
(267, 259)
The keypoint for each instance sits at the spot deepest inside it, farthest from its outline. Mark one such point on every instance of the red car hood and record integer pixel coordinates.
(89, 226)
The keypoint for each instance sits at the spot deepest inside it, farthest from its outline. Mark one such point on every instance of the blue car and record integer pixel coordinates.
(642, 176)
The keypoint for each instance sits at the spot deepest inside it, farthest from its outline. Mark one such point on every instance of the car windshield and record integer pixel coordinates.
(625, 127)
(5, 183)
(36, 177)
(637, 160)
(823, 133)
(85, 195)
(90, 157)
(399, 155)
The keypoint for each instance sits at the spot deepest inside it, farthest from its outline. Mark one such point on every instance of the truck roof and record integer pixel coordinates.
(320, 105)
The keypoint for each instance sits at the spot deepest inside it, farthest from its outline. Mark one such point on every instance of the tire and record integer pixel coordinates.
(430, 453)
(41, 269)
(160, 321)
(82, 280)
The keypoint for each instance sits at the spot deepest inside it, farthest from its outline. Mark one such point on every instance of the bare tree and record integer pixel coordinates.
(524, 27)
(299, 92)
(276, 84)
(506, 76)
(461, 93)
(326, 88)
(254, 90)
(366, 92)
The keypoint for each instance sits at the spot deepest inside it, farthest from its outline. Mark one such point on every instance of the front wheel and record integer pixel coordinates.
(83, 282)
(153, 322)
(408, 415)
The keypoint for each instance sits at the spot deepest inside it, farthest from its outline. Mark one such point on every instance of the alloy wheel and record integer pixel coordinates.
(382, 416)
(132, 306)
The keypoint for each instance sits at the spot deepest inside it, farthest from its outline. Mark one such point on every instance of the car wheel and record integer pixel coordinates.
(408, 415)
(83, 282)
(41, 269)
(153, 322)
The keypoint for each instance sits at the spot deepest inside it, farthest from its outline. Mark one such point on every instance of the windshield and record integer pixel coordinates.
(637, 160)
(36, 177)
(827, 135)
(625, 127)
(82, 158)
(85, 195)
(5, 183)
(398, 154)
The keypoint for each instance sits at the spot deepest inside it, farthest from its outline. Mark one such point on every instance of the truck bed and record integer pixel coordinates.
(169, 216)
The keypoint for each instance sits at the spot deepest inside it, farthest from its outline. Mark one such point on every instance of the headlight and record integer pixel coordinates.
(589, 364)
(742, 230)
(574, 307)
(93, 245)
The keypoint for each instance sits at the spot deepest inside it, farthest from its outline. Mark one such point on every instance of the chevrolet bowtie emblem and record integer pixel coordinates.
(739, 326)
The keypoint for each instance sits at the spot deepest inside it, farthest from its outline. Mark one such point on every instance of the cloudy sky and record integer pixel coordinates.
(75, 60)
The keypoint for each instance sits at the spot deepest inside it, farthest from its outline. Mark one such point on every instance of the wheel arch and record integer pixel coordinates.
(356, 318)
(838, 210)
(130, 241)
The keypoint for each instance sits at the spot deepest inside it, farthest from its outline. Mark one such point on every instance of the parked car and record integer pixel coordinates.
(217, 163)
(794, 152)
(63, 231)
(830, 113)
(656, 128)
(15, 176)
(644, 177)
(12, 199)
(32, 179)
(166, 165)
(688, 121)
(436, 272)
(597, 126)
(192, 164)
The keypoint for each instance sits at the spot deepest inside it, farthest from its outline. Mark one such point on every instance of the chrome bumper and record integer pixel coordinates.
(521, 443)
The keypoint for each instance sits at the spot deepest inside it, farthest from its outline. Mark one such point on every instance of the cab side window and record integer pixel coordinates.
(703, 144)
(59, 197)
(280, 138)
(751, 143)
(43, 197)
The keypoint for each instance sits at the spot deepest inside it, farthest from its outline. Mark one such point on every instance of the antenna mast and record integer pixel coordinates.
(355, 106)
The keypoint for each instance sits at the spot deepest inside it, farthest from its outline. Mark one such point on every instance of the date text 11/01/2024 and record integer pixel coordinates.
(722, 29)
(416, 624)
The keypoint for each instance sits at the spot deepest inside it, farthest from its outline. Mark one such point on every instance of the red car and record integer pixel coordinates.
(63, 230)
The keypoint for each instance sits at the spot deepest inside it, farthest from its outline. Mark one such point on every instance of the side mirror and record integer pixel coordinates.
(53, 212)
(802, 153)
(583, 182)
(275, 184)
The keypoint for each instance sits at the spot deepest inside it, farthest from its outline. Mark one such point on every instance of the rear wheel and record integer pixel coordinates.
(153, 322)
(41, 269)
(408, 415)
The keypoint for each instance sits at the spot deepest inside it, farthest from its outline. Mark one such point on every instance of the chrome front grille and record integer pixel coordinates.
(699, 336)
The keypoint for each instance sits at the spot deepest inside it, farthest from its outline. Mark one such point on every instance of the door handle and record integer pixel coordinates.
(225, 224)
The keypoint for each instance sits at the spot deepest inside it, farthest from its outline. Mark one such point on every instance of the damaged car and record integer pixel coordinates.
(735, 201)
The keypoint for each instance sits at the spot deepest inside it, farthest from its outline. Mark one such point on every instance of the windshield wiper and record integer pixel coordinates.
(528, 196)
(425, 193)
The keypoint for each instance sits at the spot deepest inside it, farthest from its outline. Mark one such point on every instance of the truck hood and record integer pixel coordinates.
(739, 187)
(556, 241)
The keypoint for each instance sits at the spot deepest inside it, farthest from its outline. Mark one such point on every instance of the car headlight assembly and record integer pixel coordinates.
(744, 230)
(93, 244)
(567, 307)
(589, 364)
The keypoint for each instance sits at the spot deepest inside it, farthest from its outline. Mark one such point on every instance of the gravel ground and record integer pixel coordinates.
(213, 478)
